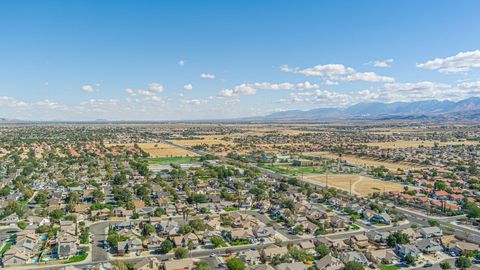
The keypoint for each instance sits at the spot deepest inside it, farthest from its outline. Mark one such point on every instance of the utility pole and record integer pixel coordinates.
(350, 186)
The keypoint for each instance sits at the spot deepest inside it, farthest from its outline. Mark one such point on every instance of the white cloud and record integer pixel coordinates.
(155, 87)
(87, 88)
(150, 95)
(194, 101)
(414, 91)
(461, 62)
(181, 63)
(470, 85)
(12, 102)
(188, 87)
(381, 63)
(251, 88)
(338, 72)
(207, 76)
(319, 97)
(49, 104)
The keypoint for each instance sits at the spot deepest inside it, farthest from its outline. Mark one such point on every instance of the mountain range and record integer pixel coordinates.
(467, 109)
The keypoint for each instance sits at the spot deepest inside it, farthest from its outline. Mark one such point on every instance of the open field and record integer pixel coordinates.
(407, 144)
(164, 160)
(361, 185)
(157, 150)
(209, 140)
(364, 161)
(294, 170)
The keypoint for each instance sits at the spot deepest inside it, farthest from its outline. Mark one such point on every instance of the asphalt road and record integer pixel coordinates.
(100, 255)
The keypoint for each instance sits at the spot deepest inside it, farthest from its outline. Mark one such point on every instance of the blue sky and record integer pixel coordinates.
(177, 60)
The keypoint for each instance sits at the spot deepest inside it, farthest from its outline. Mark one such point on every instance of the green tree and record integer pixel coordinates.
(463, 262)
(201, 265)
(433, 222)
(410, 260)
(181, 253)
(300, 255)
(322, 250)
(148, 229)
(397, 238)
(159, 211)
(354, 266)
(165, 247)
(445, 265)
(235, 264)
(218, 241)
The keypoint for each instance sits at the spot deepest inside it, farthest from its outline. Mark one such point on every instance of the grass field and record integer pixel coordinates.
(365, 162)
(361, 185)
(415, 144)
(5, 248)
(388, 267)
(157, 150)
(164, 160)
(294, 170)
(77, 258)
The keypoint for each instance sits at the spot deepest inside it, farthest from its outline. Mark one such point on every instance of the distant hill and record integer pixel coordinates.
(467, 109)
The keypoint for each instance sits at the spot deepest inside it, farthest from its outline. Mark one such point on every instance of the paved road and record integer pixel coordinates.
(99, 235)
(413, 215)
(98, 230)
(462, 233)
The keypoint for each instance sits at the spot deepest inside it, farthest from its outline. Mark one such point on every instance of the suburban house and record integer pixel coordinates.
(429, 232)
(329, 263)
(404, 250)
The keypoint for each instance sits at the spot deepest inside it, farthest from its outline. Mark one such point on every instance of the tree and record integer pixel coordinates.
(473, 211)
(159, 212)
(463, 262)
(299, 229)
(410, 260)
(165, 247)
(322, 250)
(197, 225)
(300, 255)
(181, 253)
(235, 264)
(397, 238)
(433, 222)
(354, 266)
(218, 241)
(201, 265)
(439, 185)
(445, 265)
(148, 229)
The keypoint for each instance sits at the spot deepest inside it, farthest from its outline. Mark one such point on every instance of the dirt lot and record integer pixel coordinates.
(361, 185)
(406, 144)
(157, 150)
(210, 140)
(364, 161)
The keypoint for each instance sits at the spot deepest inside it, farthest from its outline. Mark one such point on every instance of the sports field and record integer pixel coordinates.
(361, 185)
(365, 162)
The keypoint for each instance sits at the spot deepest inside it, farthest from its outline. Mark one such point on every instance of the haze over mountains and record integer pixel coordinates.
(467, 109)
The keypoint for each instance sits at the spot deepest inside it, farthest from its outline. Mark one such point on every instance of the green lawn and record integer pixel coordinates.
(77, 258)
(240, 242)
(231, 209)
(5, 248)
(290, 169)
(388, 267)
(171, 160)
(354, 227)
